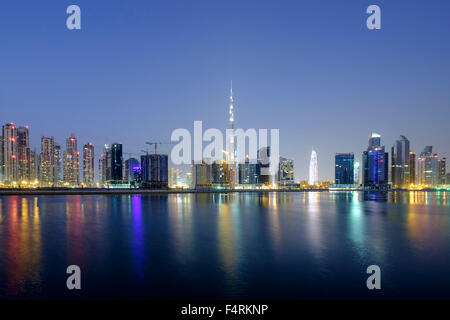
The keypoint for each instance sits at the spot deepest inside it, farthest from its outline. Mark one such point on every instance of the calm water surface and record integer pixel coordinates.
(226, 246)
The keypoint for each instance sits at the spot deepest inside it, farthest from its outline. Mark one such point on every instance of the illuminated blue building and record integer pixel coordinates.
(344, 168)
(375, 165)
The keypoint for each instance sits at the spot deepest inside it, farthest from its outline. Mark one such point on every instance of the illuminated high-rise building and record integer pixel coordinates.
(442, 164)
(249, 172)
(88, 164)
(174, 177)
(344, 168)
(220, 174)
(232, 165)
(129, 166)
(10, 154)
(116, 162)
(188, 179)
(57, 163)
(400, 163)
(71, 162)
(33, 164)
(1, 158)
(201, 175)
(285, 174)
(313, 169)
(24, 153)
(428, 168)
(356, 174)
(265, 176)
(104, 165)
(46, 165)
(412, 167)
(101, 170)
(375, 164)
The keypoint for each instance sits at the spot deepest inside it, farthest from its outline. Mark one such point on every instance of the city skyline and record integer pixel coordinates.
(399, 168)
(142, 78)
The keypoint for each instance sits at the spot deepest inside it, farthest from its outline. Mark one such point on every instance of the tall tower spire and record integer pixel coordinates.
(231, 111)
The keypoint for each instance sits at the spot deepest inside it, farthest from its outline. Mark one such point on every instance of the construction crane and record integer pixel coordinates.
(152, 143)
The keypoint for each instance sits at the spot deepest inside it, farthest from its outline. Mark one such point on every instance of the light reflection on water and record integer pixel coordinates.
(270, 245)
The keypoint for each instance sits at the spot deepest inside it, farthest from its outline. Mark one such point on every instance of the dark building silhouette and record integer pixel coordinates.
(155, 171)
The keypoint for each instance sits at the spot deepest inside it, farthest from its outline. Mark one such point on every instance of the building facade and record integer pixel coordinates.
(201, 175)
(57, 154)
(412, 167)
(313, 169)
(129, 166)
(428, 168)
(71, 162)
(285, 175)
(46, 169)
(400, 163)
(88, 164)
(249, 172)
(221, 174)
(344, 168)
(10, 154)
(116, 163)
(265, 177)
(155, 171)
(24, 153)
(442, 164)
(375, 164)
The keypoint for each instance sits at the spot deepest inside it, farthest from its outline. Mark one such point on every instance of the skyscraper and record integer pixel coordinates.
(201, 175)
(428, 167)
(375, 164)
(101, 170)
(24, 153)
(104, 165)
(88, 164)
(356, 174)
(249, 172)
(344, 168)
(442, 171)
(129, 166)
(1, 158)
(33, 164)
(116, 162)
(220, 174)
(57, 163)
(46, 162)
(313, 169)
(155, 171)
(412, 167)
(265, 176)
(10, 161)
(233, 156)
(400, 162)
(285, 175)
(72, 162)
(173, 177)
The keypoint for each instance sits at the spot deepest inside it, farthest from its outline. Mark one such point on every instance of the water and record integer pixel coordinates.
(226, 246)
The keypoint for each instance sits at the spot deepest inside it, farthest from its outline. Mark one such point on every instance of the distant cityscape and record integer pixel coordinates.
(21, 167)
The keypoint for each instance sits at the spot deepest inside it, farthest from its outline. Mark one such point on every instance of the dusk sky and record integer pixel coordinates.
(140, 69)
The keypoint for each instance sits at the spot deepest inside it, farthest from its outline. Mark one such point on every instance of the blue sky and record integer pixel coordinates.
(139, 69)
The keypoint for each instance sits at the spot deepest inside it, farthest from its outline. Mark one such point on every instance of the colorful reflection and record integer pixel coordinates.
(137, 234)
(21, 248)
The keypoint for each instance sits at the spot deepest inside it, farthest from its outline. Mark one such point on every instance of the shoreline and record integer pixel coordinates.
(21, 192)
